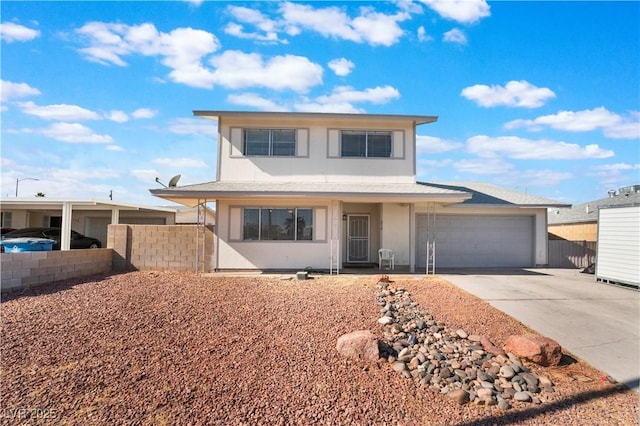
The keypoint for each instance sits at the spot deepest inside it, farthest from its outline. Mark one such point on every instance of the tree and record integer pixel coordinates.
(40, 194)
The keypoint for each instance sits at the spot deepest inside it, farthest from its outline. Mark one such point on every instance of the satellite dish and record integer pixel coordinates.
(174, 181)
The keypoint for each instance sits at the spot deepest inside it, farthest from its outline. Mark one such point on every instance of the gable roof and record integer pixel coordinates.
(416, 119)
(588, 212)
(486, 194)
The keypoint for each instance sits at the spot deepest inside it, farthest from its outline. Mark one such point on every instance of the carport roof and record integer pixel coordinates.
(78, 204)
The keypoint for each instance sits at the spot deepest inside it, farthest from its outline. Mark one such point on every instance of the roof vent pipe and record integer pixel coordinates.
(588, 209)
(612, 193)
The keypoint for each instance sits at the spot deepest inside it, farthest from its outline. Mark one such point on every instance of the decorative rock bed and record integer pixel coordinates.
(467, 368)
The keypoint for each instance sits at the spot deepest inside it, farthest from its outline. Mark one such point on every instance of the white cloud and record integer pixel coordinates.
(514, 93)
(463, 11)
(181, 162)
(433, 145)
(11, 32)
(422, 34)
(618, 167)
(341, 66)
(369, 27)
(144, 113)
(254, 100)
(236, 70)
(194, 126)
(182, 49)
(195, 3)
(267, 27)
(115, 148)
(346, 94)
(10, 90)
(455, 36)
(520, 148)
(146, 175)
(483, 166)
(613, 125)
(614, 176)
(118, 116)
(523, 179)
(72, 133)
(59, 112)
(337, 107)
(238, 30)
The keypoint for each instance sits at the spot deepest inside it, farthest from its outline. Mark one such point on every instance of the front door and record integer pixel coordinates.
(358, 238)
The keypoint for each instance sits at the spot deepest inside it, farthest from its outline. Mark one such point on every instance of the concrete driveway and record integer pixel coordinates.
(596, 322)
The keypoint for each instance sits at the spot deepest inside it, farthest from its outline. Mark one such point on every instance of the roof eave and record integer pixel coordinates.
(191, 197)
(417, 119)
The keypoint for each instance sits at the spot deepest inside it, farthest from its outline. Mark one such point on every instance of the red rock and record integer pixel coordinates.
(541, 350)
(381, 279)
(490, 347)
(360, 345)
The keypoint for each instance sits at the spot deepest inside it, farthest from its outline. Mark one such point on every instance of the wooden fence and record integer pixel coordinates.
(571, 254)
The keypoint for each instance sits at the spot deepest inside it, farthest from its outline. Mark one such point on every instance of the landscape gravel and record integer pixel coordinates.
(176, 348)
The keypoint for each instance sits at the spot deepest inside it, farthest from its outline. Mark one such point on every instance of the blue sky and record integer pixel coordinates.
(543, 97)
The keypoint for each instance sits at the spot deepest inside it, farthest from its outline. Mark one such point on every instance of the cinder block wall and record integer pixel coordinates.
(161, 247)
(30, 269)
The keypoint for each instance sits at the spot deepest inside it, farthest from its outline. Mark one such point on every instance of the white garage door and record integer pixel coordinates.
(478, 241)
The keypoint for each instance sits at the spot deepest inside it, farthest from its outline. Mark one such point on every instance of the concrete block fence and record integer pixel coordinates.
(161, 247)
(30, 269)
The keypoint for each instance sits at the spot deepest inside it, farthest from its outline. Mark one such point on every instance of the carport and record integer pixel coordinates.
(21, 208)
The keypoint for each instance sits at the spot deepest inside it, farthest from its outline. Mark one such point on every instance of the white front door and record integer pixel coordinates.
(358, 238)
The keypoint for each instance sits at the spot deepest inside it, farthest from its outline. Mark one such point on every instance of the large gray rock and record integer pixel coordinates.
(360, 345)
(541, 350)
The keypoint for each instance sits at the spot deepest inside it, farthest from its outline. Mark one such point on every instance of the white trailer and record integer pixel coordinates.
(618, 246)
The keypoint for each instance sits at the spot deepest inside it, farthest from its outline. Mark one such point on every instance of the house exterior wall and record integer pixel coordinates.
(235, 253)
(318, 153)
(576, 231)
(396, 232)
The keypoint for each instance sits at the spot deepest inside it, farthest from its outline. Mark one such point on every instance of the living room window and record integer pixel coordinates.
(270, 142)
(357, 143)
(270, 224)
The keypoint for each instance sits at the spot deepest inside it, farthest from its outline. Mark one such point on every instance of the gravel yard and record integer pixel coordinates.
(170, 348)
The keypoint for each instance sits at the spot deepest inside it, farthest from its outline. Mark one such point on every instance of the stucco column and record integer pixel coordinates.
(115, 216)
(65, 232)
(412, 237)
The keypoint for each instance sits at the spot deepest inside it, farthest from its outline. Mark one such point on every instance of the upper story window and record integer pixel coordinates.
(270, 142)
(357, 143)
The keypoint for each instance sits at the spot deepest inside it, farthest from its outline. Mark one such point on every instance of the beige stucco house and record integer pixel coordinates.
(326, 191)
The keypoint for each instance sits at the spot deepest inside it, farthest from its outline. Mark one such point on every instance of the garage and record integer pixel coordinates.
(464, 241)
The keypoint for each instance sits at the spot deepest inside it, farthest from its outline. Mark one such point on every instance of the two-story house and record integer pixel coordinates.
(324, 190)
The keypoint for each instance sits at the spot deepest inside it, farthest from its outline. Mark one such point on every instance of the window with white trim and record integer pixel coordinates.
(270, 142)
(360, 143)
(270, 224)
